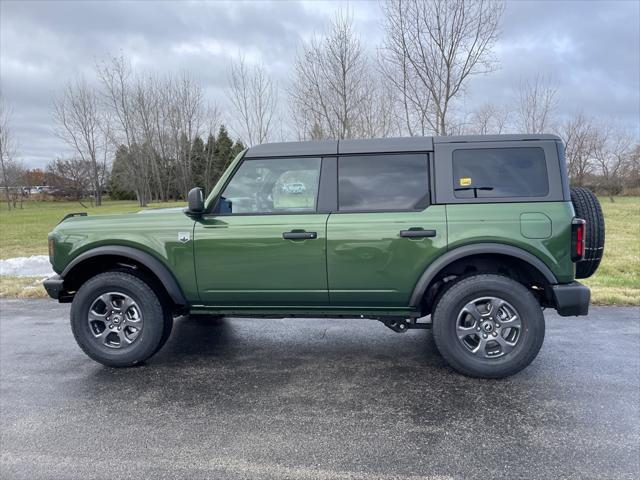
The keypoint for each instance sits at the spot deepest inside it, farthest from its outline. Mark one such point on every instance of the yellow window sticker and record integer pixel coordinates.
(465, 182)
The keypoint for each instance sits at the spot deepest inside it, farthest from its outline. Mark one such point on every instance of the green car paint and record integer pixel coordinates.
(368, 263)
(505, 223)
(244, 259)
(154, 233)
(356, 264)
(357, 259)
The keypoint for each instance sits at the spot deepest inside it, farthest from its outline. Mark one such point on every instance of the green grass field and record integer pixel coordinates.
(24, 232)
(617, 281)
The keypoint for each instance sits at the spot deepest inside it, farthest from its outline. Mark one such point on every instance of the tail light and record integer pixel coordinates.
(578, 233)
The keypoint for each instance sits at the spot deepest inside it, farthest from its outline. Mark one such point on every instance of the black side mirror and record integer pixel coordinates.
(195, 200)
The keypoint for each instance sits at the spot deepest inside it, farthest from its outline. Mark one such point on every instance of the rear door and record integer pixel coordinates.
(384, 232)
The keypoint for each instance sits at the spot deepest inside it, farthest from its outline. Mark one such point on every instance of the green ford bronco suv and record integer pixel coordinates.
(480, 233)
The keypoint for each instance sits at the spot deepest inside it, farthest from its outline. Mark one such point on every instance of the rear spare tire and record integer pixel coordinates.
(587, 207)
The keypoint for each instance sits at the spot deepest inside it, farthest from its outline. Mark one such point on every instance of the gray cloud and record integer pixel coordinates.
(589, 48)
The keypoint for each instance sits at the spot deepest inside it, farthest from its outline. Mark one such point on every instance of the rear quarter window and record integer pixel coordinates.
(500, 172)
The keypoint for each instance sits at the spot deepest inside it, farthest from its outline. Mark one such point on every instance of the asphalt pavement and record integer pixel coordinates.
(315, 399)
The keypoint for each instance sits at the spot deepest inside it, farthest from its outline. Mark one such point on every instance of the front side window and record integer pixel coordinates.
(500, 172)
(382, 182)
(279, 185)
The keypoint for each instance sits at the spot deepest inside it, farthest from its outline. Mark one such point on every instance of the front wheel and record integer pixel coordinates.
(488, 326)
(118, 319)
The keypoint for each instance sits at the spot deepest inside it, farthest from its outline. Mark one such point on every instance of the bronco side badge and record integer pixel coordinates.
(184, 237)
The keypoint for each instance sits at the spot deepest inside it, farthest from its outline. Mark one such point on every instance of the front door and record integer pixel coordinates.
(267, 246)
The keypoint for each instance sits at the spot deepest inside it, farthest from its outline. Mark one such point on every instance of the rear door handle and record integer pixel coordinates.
(417, 233)
(299, 235)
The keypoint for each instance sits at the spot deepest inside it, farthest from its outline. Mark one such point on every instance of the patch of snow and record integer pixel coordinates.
(33, 266)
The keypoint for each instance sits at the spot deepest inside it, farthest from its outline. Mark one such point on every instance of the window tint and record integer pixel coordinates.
(272, 186)
(500, 172)
(382, 182)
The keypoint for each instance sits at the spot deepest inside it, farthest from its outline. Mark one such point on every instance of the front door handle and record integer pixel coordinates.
(299, 235)
(417, 233)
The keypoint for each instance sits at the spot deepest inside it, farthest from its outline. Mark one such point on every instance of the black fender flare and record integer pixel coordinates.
(152, 263)
(477, 249)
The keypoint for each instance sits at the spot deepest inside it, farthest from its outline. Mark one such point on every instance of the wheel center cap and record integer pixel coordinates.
(116, 319)
(487, 326)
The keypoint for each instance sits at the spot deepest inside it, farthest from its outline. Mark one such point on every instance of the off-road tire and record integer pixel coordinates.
(156, 315)
(445, 320)
(587, 207)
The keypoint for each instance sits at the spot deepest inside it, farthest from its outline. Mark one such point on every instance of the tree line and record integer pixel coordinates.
(137, 134)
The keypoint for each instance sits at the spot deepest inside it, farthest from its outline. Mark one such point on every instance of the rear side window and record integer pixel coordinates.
(500, 172)
(382, 182)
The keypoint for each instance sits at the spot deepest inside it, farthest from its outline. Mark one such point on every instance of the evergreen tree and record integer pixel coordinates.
(198, 163)
(236, 149)
(209, 156)
(222, 153)
(119, 187)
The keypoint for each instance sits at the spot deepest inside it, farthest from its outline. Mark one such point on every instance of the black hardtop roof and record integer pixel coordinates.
(377, 145)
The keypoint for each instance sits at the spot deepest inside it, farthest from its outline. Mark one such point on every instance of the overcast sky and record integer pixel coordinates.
(590, 49)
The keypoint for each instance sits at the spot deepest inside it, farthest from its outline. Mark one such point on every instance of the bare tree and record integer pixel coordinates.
(613, 155)
(254, 97)
(330, 92)
(413, 104)
(378, 111)
(8, 162)
(119, 99)
(580, 137)
(436, 45)
(77, 113)
(536, 104)
(488, 119)
(186, 120)
(633, 171)
(71, 177)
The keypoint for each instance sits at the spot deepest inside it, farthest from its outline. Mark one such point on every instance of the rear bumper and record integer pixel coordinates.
(54, 286)
(571, 299)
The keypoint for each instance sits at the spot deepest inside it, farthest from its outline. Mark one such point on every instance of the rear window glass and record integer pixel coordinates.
(382, 182)
(500, 172)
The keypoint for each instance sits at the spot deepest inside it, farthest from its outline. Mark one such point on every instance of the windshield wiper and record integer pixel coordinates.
(475, 190)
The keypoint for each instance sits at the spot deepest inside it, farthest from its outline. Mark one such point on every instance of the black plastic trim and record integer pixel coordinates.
(71, 215)
(417, 233)
(562, 160)
(148, 260)
(477, 249)
(315, 148)
(54, 286)
(328, 190)
(571, 299)
(385, 145)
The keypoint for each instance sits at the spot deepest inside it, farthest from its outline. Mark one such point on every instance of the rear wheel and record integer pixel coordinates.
(587, 207)
(488, 326)
(118, 319)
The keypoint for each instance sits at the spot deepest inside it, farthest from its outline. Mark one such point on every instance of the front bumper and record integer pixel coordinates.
(54, 286)
(571, 299)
